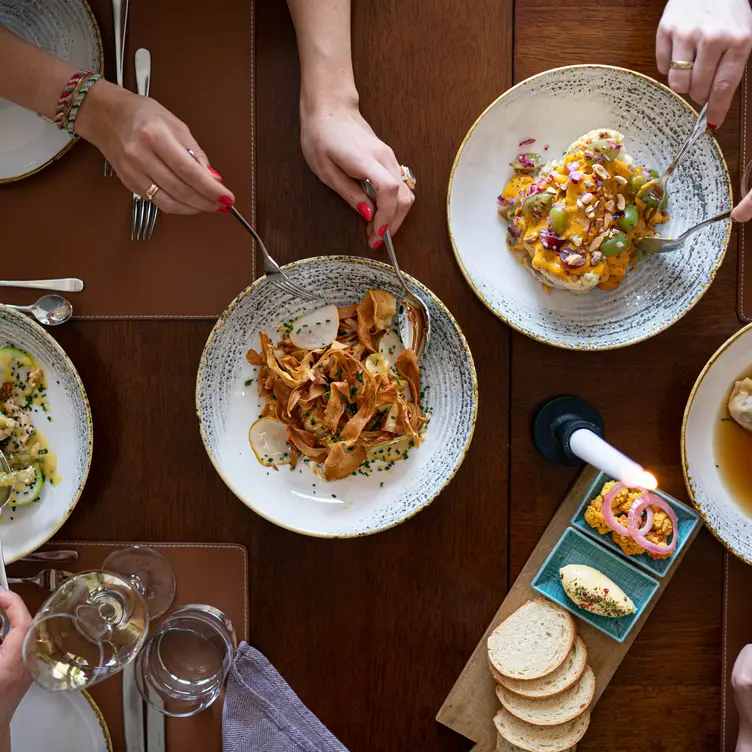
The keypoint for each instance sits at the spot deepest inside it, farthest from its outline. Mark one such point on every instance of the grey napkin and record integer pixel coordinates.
(262, 714)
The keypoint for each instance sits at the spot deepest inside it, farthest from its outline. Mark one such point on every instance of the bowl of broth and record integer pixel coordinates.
(717, 450)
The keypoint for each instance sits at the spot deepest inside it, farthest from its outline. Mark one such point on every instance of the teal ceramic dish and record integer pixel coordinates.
(688, 520)
(575, 548)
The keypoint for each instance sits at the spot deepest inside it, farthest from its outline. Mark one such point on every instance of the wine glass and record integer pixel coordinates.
(183, 666)
(149, 572)
(89, 629)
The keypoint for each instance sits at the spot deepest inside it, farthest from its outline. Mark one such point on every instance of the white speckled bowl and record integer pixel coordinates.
(356, 505)
(555, 108)
(69, 434)
(68, 29)
(723, 517)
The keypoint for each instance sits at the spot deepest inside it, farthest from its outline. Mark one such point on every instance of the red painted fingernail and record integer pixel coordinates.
(226, 200)
(365, 211)
(223, 210)
(214, 172)
(377, 244)
(733, 220)
(383, 230)
(712, 127)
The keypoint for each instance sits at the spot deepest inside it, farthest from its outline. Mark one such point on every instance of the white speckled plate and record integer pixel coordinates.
(69, 433)
(356, 505)
(556, 108)
(59, 721)
(706, 488)
(67, 29)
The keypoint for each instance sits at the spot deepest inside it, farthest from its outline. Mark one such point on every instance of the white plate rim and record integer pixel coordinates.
(685, 421)
(226, 315)
(69, 145)
(89, 425)
(468, 277)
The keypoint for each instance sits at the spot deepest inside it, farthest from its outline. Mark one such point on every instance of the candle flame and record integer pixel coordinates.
(643, 479)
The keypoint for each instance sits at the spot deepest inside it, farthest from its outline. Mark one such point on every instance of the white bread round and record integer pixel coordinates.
(559, 680)
(502, 745)
(532, 641)
(551, 711)
(541, 738)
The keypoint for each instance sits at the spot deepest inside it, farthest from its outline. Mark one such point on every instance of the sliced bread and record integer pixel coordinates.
(532, 641)
(502, 745)
(551, 711)
(560, 679)
(541, 738)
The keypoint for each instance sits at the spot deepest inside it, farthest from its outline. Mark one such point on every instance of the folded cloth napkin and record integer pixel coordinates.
(262, 714)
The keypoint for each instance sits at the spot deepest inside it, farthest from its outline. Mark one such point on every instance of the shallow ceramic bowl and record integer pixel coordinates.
(706, 488)
(298, 500)
(67, 29)
(556, 108)
(69, 433)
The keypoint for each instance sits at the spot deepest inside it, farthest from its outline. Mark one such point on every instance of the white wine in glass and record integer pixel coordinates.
(89, 629)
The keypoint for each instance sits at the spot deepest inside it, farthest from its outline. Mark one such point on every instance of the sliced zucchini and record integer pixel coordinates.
(31, 493)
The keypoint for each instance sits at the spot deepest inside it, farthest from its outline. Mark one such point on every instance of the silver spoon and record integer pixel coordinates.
(5, 493)
(665, 245)
(50, 310)
(413, 318)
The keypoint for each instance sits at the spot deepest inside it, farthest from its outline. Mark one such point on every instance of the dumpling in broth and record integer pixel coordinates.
(740, 403)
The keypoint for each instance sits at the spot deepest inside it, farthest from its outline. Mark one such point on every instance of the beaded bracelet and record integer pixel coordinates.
(72, 97)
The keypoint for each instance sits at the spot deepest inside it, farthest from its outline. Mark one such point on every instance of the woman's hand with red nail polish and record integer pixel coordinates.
(342, 149)
(14, 679)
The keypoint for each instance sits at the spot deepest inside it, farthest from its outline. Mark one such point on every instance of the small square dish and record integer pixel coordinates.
(576, 548)
(687, 517)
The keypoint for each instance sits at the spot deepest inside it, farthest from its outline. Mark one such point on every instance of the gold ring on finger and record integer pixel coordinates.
(682, 64)
(408, 177)
(153, 189)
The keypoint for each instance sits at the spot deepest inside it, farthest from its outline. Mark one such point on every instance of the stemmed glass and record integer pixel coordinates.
(182, 668)
(89, 629)
(147, 571)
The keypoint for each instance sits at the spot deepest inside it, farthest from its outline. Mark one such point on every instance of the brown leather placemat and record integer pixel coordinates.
(71, 221)
(737, 632)
(211, 573)
(745, 232)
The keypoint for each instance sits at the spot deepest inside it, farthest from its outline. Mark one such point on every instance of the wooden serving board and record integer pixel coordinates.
(471, 705)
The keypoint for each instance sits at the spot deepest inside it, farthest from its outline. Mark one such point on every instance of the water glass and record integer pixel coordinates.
(182, 668)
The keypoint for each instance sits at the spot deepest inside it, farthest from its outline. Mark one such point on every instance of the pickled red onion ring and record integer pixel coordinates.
(608, 511)
(649, 499)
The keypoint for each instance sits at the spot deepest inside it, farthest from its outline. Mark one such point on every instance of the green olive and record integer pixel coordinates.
(538, 204)
(614, 245)
(558, 218)
(630, 219)
(649, 199)
(654, 174)
(636, 183)
(604, 146)
(508, 210)
(529, 162)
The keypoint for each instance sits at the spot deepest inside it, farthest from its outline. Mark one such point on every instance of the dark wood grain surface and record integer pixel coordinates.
(372, 633)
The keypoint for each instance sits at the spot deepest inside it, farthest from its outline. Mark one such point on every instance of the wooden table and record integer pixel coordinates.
(373, 632)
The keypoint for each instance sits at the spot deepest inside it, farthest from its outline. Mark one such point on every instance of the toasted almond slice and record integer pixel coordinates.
(586, 198)
(621, 202)
(601, 171)
(621, 180)
(595, 244)
(610, 206)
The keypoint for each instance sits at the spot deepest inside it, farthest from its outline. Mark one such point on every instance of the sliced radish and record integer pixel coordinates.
(376, 363)
(268, 439)
(316, 329)
(391, 347)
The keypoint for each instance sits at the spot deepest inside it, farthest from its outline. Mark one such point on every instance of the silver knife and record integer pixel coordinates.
(133, 712)
(70, 284)
(51, 556)
(155, 728)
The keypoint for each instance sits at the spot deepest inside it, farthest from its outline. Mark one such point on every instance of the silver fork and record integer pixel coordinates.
(272, 269)
(144, 210)
(120, 21)
(665, 245)
(47, 579)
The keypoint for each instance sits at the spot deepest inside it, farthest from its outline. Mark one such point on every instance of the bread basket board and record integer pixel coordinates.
(470, 707)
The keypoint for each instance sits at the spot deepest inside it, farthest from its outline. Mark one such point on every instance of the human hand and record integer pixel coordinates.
(717, 36)
(146, 144)
(342, 149)
(14, 679)
(741, 681)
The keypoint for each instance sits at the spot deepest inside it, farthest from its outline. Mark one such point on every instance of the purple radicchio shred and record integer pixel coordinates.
(527, 142)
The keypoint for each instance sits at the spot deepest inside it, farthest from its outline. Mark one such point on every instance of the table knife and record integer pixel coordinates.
(64, 555)
(155, 729)
(133, 712)
(61, 285)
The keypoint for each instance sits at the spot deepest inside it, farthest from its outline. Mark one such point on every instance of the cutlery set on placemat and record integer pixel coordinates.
(50, 310)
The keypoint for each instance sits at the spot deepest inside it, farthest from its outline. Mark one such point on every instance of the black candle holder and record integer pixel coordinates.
(556, 421)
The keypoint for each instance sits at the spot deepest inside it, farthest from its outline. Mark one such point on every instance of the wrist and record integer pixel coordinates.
(97, 110)
(328, 86)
